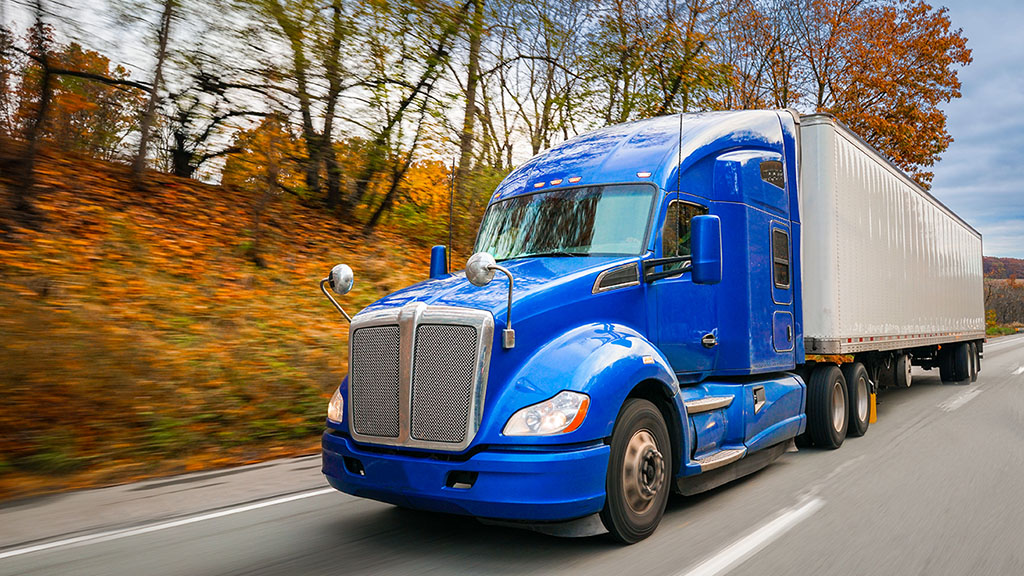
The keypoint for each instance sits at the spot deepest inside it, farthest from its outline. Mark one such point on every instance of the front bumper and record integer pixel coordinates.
(511, 484)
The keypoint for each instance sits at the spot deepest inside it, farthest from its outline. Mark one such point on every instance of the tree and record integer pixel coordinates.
(883, 67)
(163, 32)
(82, 114)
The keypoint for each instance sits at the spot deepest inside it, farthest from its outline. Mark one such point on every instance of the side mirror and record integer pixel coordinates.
(480, 269)
(341, 279)
(706, 238)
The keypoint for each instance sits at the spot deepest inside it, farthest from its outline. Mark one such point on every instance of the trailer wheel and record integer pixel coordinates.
(902, 373)
(637, 485)
(826, 407)
(946, 365)
(961, 362)
(858, 389)
(972, 352)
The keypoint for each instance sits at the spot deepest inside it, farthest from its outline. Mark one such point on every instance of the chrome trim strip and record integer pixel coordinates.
(597, 289)
(708, 404)
(721, 458)
(408, 318)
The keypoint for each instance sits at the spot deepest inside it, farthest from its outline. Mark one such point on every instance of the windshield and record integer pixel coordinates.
(594, 220)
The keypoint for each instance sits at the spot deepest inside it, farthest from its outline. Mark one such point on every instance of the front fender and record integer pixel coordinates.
(602, 360)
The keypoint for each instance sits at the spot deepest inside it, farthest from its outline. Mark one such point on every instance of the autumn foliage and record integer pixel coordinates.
(139, 338)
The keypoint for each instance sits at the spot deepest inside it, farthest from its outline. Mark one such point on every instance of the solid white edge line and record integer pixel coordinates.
(755, 541)
(118, 534)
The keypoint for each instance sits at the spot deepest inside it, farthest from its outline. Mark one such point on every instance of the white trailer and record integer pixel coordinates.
(886, 266)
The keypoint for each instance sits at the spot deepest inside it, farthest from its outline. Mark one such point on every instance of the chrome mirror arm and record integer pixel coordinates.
(508, 335)
(323, 288)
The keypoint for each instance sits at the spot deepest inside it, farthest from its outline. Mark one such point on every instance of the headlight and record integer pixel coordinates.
(336, 407)
(563, 413)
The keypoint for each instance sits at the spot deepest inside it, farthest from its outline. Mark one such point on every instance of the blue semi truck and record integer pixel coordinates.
(663, 305)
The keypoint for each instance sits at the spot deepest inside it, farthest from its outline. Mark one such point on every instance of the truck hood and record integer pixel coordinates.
(540, 285)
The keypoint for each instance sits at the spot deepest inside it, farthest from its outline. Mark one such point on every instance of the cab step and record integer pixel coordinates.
(721, 458)
(707, 404)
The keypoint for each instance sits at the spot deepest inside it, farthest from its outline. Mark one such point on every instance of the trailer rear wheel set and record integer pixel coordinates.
(830, 388)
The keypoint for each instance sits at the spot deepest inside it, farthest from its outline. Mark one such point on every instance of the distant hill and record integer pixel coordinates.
(1003, 267)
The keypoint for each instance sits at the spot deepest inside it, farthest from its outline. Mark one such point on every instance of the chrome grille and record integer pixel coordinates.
(374, 381)
(444, 367)
(418, 375)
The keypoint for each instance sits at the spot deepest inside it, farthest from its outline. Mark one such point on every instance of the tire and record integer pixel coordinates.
(972, 352)
(977, 356)
(961, 362)
(639, 470)
(827, 419)
(858, 388)
(946, 365)
(902, 376)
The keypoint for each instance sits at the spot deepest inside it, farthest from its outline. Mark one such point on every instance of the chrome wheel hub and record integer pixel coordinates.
(862, 399)
(838, 407)
(643, 471)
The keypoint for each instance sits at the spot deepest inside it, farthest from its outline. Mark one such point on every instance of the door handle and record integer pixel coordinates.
(759, 399)
(789, 333)
(709, 341)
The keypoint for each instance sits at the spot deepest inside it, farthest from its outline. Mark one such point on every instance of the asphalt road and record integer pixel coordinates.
(935, 487)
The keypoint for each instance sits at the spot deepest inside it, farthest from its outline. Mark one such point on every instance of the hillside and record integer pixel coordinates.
(139, 337)
(1003, 267)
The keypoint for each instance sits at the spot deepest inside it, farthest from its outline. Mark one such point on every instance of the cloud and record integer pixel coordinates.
(981, 176)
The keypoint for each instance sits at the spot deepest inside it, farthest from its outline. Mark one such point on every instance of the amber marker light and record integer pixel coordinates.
(538, 185)
(643, 174)
(574, 179)
(556, 182)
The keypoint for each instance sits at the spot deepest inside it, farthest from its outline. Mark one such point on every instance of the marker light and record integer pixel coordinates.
(556, 181)
(336, 407)
(574, 179)
(538, 185)
(559, 415)
(643, 174)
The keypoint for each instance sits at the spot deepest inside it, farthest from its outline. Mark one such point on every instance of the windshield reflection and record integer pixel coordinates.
(586, 221)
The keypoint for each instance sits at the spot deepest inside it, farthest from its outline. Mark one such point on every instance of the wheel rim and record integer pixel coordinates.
(907, 367)
(862, 399)
(838, 407)
(643, 471)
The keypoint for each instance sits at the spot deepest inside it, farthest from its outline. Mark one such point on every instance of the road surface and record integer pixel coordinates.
(935, 487)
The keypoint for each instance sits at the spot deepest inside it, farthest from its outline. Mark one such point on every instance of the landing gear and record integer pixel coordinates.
(827, 411)
(638, 473)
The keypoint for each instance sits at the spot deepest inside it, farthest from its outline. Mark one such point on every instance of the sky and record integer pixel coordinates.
(981, 175)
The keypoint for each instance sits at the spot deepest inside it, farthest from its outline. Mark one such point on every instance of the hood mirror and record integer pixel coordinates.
(341, 279)
(480, 269)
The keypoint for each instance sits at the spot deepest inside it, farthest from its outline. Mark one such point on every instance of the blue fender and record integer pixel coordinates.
(603, 360)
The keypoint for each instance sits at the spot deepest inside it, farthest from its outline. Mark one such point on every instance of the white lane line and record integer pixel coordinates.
(959, 400)
(755, 541)
(125, 533)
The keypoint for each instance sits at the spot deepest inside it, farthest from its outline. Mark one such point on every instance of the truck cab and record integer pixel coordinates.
(630, 324)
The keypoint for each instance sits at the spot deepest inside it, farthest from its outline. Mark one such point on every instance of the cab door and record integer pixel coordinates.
(684, 314)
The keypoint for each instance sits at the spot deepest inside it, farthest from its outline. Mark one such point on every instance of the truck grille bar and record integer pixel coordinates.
(418, 375)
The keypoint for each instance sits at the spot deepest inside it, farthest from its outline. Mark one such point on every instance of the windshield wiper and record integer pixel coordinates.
(554, 253)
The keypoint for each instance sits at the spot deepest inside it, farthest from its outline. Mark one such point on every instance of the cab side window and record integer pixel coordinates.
(675, 233)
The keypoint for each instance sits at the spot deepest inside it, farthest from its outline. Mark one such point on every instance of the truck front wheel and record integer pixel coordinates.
(639, 469)
(827, 400)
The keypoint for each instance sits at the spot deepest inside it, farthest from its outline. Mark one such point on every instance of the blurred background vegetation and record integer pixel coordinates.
(177, 175)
